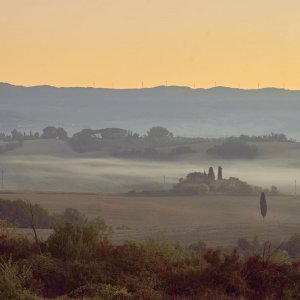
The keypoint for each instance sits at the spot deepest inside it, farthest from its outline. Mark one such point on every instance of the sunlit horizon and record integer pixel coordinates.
(142, 86)
(147, 43)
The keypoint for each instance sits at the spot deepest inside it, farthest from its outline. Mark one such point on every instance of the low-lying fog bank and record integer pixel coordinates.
(120, 175)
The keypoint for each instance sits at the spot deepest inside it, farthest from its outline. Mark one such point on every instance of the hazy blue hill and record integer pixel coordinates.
(194, 112)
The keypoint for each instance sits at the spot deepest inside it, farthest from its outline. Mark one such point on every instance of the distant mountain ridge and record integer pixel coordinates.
(213, 112)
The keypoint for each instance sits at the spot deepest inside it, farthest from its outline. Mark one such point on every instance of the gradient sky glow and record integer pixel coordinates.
(125, 42)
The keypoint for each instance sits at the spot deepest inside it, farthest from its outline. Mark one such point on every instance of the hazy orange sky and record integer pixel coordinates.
(127, 42)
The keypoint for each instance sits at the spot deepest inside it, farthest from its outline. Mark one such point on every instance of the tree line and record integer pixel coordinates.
(18, 213)
(125, 143)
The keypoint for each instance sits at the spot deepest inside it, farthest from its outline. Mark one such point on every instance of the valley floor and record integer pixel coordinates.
(216, 219)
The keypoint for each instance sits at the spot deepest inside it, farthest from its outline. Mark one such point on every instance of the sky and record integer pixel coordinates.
(145, 43)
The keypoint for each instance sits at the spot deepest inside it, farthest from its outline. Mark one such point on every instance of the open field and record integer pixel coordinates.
(50, 167)
(218, 220)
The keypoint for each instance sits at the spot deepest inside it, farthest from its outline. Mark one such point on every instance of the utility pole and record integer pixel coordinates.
(295, 188)
(2, 179)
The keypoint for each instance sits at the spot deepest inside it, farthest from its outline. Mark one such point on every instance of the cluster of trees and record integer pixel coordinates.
(77, 262)
(94, 139)
(116, 141)
(11, 142)
(273, 137)
(196, 183)
(114, 138)
(85, 140)
(17, 136)
(49, 132)
(19, 212)
(120, 142)
(200, 183)
(235, 186)
(239, 147)
(159, 133)
(234, 148)
(52, 132)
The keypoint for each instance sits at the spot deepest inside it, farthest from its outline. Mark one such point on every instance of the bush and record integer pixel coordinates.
(244, 244)
(234, 186)
(13, 280)
(292, 246)
(274, 191)
(187, 188)
(198, 247)
(50, 274)
(74, 242)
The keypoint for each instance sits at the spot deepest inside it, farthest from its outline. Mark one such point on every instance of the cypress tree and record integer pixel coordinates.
(211, 173)
(263, 205)
(220, 173)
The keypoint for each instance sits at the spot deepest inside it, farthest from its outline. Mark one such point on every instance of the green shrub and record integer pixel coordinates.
(292, 246)
(12, 281)
(101, 292)
(71, 242)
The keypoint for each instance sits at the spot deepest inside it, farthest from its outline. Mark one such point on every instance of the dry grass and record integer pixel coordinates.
(219, 220)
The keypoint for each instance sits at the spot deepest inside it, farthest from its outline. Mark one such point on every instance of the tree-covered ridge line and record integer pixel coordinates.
(118, 142)
(52, 132)
(257, 110)
(78, 262)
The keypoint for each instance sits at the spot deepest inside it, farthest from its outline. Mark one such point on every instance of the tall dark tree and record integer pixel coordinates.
(159, 132)
(211, 173)
(61, 134)
(16, 135)
(263, 205)
(85, 140)
(220, 173)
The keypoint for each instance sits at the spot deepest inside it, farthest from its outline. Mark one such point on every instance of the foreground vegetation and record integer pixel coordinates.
(78, 262)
